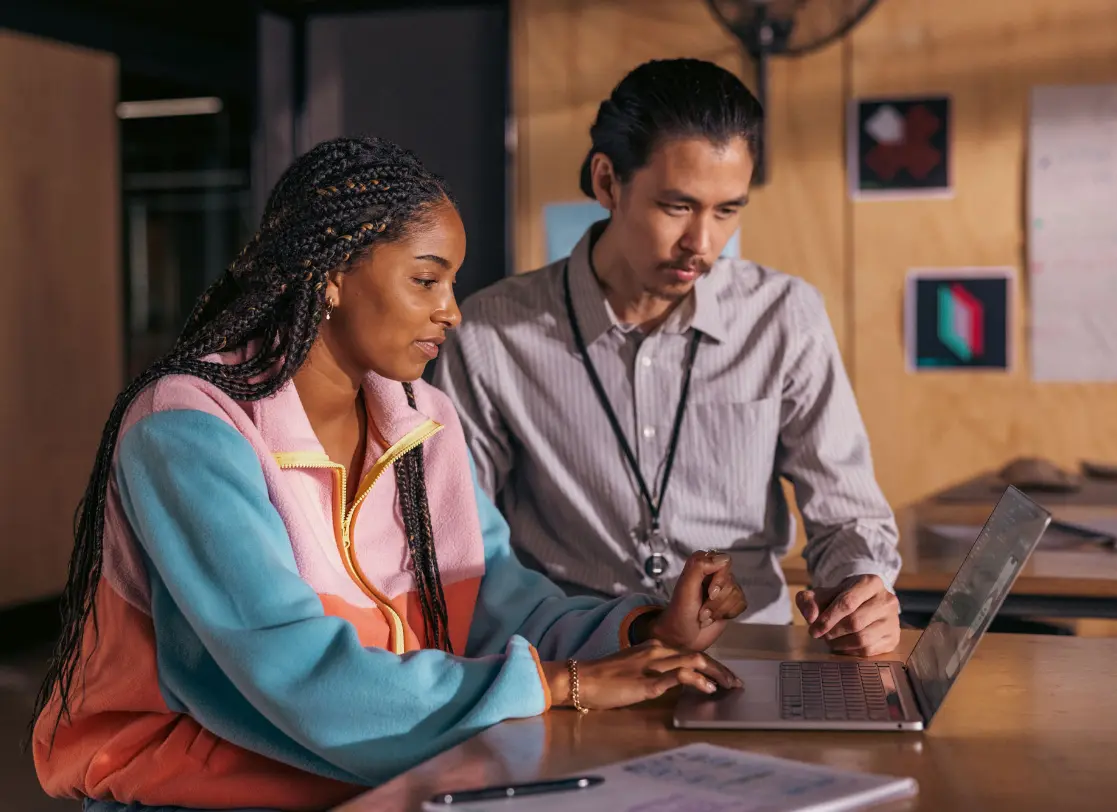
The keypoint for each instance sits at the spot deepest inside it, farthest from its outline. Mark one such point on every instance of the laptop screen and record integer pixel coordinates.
(979, 588)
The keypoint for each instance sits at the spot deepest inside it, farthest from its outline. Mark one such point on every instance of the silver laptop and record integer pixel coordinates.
(884, 695)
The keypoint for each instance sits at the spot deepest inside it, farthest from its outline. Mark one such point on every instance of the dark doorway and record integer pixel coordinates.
(434, 80)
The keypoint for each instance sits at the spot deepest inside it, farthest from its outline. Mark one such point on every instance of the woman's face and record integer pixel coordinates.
(394, 306)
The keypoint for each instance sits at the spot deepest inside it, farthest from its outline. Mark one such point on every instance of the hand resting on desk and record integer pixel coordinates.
(859, 616)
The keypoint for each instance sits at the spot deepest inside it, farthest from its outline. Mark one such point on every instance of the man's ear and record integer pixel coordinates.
(606, 184)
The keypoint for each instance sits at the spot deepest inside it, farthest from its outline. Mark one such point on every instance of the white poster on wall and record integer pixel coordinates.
(1072, 232)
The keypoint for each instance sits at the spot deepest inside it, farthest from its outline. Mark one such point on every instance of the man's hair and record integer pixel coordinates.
(665, 99)
(334, 205)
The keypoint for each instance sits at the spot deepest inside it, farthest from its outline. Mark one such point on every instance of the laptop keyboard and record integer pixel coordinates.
(832, 691)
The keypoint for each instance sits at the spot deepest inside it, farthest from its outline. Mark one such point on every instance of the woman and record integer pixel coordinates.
(260, 613)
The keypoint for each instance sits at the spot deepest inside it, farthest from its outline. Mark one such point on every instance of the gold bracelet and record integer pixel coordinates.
(572, 666)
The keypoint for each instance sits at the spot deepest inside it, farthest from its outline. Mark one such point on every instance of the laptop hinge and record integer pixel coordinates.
(917, 692)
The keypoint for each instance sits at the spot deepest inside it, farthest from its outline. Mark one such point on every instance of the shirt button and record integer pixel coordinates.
(646, 361)
(649, 432)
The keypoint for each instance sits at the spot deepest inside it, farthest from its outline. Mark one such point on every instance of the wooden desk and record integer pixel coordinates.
(1073, 581)
(1030, 725)
(988, 487)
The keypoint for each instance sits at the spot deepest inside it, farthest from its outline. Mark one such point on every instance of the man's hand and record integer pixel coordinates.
(706, 597)
(859, 616)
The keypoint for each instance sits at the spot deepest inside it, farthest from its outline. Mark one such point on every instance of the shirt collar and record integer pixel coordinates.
(595, 316)
(706, 314)
(701, 310)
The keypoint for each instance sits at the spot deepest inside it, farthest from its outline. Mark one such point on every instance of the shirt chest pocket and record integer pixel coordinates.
(728, 454)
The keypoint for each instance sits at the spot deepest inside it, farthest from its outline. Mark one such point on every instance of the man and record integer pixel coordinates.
(642, 399)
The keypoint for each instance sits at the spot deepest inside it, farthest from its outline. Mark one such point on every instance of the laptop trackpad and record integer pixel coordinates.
(761, 681)
(757, 701)
(760, 689)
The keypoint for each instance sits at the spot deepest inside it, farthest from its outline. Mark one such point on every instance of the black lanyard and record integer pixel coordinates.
(654, 506)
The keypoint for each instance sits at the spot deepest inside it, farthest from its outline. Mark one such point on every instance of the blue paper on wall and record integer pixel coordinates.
(565, 223)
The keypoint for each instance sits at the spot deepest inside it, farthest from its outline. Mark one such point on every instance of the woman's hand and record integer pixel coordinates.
(706, 597)
(635, 675)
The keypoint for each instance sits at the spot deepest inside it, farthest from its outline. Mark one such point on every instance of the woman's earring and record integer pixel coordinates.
(329, 308)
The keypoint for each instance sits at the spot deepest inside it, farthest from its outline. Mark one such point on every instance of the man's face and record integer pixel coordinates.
(674, 216)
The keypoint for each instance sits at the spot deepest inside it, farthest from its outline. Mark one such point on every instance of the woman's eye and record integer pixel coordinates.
(426, 283)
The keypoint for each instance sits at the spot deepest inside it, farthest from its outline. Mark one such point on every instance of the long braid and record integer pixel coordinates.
(332, 205)
(420, 542)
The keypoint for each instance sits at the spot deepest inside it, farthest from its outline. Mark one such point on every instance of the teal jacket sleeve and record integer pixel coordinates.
(242, 642)
(517, 601)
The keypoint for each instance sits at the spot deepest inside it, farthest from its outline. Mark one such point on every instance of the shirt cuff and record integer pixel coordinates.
(833, 577)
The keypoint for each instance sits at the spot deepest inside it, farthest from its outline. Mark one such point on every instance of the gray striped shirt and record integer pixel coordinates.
(769, 398)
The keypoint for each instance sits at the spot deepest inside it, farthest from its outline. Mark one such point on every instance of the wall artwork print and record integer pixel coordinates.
(958, 318)
(899, 148)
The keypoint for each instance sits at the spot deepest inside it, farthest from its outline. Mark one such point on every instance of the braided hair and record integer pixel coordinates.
(332, 205)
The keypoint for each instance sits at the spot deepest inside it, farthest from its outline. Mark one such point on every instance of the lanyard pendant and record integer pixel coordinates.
(655, 565)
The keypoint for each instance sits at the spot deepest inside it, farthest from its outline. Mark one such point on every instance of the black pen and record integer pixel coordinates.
(517, 790)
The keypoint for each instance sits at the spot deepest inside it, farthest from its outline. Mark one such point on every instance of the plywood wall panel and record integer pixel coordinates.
(60, 297)
(932, 429)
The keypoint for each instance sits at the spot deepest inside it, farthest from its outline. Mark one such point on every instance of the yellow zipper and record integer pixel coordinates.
(343, 519)
(410, 441)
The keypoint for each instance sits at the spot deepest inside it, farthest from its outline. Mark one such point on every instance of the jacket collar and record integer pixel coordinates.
(285, 427)
(284, 424)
